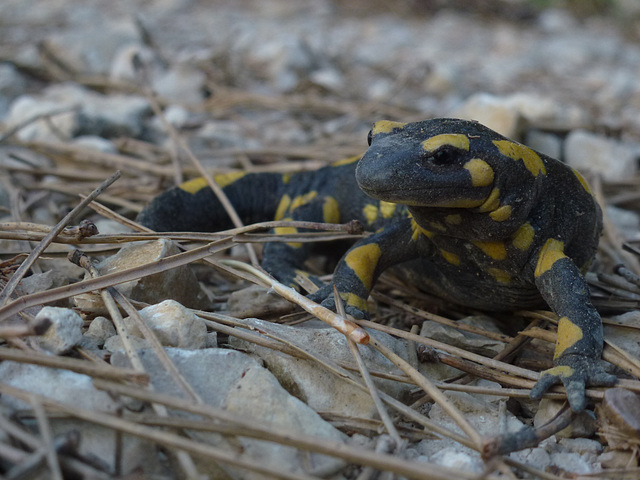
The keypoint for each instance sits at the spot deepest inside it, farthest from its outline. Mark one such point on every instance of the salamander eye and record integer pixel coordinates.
(443, 156)
(370, 137)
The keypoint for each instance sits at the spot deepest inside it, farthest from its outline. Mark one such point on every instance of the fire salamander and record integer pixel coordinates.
(467, 214)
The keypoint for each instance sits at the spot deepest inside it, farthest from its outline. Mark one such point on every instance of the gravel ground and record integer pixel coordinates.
(88, 86)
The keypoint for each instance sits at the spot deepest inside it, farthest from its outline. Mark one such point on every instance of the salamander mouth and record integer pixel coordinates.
(450, 196)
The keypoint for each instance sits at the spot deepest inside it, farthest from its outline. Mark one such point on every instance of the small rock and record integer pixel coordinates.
(611, 159)
(173, 324)
(455, 458)
(39, 282)
(236, 382)
(54, 128)
(100, 330)
(573, 463)
(582, 445)
(179, 284)
(321, 391)
(622, 459)
(115, 343)
(180, 84)
(583, 425)
(543, 142)
(96, 143)
(257, 301)
(494, 112)
(626, 221)
(65, 331)
(76, 390)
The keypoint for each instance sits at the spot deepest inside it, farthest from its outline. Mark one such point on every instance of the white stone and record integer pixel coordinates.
(236, 382)
(173, 324)
(65, 331)
(315, 386)
(179, 284)
(611, 159)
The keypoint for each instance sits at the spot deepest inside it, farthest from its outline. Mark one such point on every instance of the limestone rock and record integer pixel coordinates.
(65, 331)
(179, 284)
(173, 324)
(611, 159)
(236, 382)
(316, 387)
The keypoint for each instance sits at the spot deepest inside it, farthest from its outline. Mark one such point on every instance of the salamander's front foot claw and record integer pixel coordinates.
(575, 372)
(325, 297)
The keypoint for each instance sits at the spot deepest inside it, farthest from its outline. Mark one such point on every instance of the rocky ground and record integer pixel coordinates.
(243, 388)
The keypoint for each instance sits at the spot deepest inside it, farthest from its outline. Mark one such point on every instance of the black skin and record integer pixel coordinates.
(493, 226)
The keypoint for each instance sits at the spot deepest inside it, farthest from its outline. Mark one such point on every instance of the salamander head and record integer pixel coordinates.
(442, 162)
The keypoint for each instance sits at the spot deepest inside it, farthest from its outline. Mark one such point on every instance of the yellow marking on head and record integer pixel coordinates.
(455, 219)
(480, 171)
(450, 257)
(288, 231)
(330, 210)
(195, 185)
(456, 140)
(363, 260)
(417, 230)
(501, 214)
(387, 209)
(515, 151)
(301, 200)
(386, 126)
(495, 250)
(224, 179)
(568, 334)
(370, 212)
(354, 300)
(550, 253)
(346, 161)
(523, 237)
(286, 177)
(583, 182)
(500, 275)
(438, 226)
(492, 202)
(283, 206)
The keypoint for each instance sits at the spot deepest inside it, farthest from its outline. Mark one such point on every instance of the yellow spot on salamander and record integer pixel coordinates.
(455, 219)
(387, 209)
(283, 206)
(500, 275)
(561, 371)
(480, 171)
(568, 334)
(523, 237)
(550, 253)
(288, 231)
(583, 182)
(195, 185)
(386, 126)
(456, 140)
(330, 210)
(515, 151)
(286, 177)
(303, 199)
(224, 179)
(450, 257)
(354, 300)
(370, 212)
(363, 260)
(501, 214)
(346, 161)
(438, 226)
(492, 202)
(495, 250)
(417, 230)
